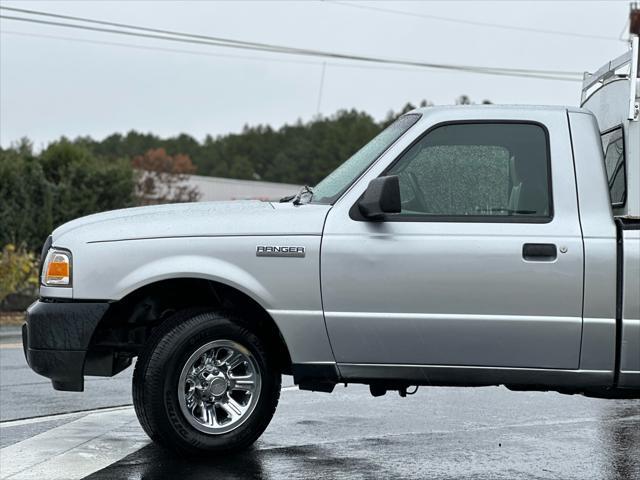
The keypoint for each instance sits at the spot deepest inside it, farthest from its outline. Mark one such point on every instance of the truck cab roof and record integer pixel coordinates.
(494, 108)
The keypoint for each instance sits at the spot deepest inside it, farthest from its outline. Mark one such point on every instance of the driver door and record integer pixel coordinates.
(482, 267)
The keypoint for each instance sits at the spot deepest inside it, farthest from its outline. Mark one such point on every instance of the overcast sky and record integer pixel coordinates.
(60, 86)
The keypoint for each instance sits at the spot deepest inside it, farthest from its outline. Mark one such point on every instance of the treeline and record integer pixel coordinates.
(38, 192)
(302, 153)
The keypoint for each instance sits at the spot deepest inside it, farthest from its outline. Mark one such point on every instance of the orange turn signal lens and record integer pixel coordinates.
(58, 269)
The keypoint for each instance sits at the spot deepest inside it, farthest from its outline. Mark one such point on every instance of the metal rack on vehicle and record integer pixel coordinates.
(612, 94)
(611, 71)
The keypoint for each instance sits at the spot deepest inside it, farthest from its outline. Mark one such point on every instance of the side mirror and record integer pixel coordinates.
(381, 196)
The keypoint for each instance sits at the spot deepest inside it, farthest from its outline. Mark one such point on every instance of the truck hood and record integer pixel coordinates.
(235, 218)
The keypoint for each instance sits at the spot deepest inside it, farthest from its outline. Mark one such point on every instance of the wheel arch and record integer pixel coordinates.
(131, 320)
(176, 267)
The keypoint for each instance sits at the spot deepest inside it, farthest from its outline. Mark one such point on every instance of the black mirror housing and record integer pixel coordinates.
(381, 197)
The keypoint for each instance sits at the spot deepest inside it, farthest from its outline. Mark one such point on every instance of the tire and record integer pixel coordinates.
(188, 400)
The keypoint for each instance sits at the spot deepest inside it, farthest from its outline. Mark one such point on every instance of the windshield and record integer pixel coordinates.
(334, 185)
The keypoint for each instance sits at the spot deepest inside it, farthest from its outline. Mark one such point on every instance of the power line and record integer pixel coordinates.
(169, 50)
(255, 46)
(140, 28)
(218, 55)
(237, 43)
(474, 22)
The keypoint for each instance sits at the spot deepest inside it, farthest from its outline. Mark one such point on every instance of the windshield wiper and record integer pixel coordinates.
(304, 191)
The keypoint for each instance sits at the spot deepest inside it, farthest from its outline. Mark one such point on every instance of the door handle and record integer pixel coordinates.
(539, 252)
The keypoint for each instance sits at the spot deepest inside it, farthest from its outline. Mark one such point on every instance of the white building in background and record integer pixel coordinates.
(216, 188)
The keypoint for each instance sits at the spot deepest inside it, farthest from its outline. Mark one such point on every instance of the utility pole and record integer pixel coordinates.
(324, 67)
(634, 19)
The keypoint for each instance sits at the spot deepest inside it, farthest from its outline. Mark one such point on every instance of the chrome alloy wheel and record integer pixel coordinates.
(219, 387)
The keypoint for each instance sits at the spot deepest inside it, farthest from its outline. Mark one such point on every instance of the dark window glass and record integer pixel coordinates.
(477, 169)
(613, 145)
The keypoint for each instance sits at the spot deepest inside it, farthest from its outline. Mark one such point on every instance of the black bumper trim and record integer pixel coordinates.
(63, 367)
(56, 337)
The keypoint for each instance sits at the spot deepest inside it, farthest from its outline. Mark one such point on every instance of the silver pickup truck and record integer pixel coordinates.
(467, 246)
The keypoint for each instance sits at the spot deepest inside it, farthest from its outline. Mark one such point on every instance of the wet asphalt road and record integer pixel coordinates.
(443, 433)
(487, 433)
(18, 381)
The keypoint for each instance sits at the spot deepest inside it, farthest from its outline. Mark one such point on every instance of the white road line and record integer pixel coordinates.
(62, 416)
(56, 416)
(76, 449)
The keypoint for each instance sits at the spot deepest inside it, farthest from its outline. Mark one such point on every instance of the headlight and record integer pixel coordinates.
(56, 270)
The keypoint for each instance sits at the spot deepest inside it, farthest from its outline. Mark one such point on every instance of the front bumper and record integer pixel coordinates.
(56, 337)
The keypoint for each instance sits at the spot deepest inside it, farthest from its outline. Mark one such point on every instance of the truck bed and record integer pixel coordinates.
(611, 93)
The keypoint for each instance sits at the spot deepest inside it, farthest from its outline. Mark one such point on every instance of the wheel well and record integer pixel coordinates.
(129, 322)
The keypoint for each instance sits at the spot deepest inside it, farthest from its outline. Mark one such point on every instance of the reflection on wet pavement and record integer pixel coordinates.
(448, 433)
(620, 438)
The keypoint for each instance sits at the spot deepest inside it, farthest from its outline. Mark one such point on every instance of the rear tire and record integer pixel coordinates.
(205, 383)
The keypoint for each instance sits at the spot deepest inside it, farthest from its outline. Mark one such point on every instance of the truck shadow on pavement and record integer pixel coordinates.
(153, 462)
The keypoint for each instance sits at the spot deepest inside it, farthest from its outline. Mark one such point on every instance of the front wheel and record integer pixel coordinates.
(205, 384)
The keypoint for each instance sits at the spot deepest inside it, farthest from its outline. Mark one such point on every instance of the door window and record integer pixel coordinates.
(481, 171)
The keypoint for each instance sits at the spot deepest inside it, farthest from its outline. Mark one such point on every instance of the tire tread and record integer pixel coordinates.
(149, 375)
